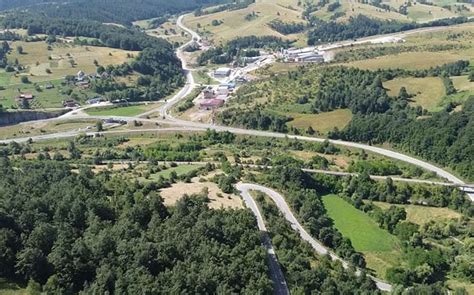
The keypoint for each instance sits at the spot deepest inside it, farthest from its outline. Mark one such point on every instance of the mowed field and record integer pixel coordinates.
(323, 122)
(427, 92)
(380, 248)
(235, 25)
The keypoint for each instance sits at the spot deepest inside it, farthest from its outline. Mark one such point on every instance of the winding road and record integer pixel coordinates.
(280, 202)
(168, 119)
(280, 285)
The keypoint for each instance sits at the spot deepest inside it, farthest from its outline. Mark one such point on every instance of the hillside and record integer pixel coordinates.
(256, 18)
(107, 11)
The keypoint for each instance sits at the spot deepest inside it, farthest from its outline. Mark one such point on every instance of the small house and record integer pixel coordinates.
(27, 95)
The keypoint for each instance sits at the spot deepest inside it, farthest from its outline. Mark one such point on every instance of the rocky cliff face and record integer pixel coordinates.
(10, 118)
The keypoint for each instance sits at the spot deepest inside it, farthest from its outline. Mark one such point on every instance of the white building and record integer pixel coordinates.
(222, 72)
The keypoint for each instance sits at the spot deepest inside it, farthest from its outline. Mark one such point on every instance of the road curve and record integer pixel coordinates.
(392, 154)
(279, 283)
(168, 119)
(280, 202)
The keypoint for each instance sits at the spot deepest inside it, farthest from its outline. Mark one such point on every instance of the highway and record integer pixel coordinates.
(280, 202)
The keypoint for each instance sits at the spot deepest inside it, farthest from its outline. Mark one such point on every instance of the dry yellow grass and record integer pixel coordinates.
(172, 194)
(354, 8)
(422, 214)
(413, 60)
(379, 262)
(234, 23)
(36, 58)
(428, 91)
(322, 122)
(462, 83)
(30, 129)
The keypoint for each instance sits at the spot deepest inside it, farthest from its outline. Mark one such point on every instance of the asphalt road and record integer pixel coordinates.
(280, 202)
(189, 86)
(279, 283)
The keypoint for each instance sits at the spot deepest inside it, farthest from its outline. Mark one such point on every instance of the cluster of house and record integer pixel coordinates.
(302, 55)
(213, 98)
(83, 80)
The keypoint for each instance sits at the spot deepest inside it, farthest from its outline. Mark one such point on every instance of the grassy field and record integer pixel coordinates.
(462, 83)
(37, 58)
(36, 128)
(364, 233)
(7, 288)
(128, 111)
(380, 248)
(427, 92)
(61, 60)
(234, 23)
(413, 60)
(322, 122)
(422, 214)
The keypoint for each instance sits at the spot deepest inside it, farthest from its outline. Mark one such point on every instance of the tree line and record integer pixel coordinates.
(239, 46)
(108, 11)
(363, 26)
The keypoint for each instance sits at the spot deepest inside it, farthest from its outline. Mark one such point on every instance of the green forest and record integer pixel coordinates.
(71, 232)
(108, 11)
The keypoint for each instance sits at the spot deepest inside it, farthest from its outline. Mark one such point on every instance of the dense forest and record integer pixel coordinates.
(241, 46)
(233, 5)
(108, 11)
(4, 49)
(445, 137)
(72, 232)
(286, 28)
(108, 35)
(363, 26)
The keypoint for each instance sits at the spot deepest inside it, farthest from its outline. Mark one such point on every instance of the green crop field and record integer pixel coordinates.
(128, 111)
(364, 233)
